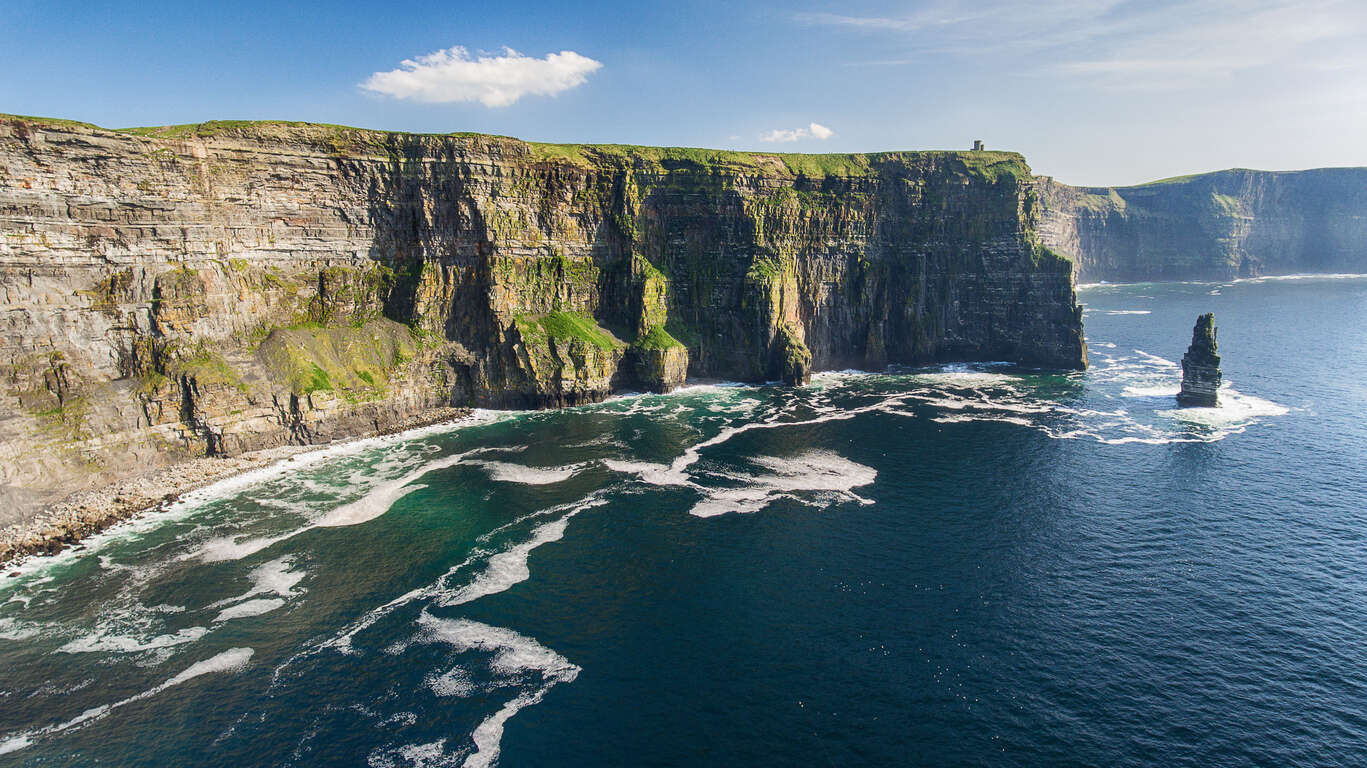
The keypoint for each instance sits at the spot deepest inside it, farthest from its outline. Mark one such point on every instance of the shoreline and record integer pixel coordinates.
(86, 513)
(1230, 281)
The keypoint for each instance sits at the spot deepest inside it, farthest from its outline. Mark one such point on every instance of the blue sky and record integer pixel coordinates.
(1103, 92)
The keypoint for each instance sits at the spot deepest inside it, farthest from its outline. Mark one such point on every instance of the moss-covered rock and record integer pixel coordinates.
(791, 360)
(563, 358)
(352, 361)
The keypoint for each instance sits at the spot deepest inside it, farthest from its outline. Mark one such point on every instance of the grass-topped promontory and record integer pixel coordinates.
(567, 326)
(657, 338)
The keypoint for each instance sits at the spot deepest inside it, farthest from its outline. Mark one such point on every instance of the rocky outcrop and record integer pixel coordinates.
(1211, 226)
(218, 288)
(1201, 367)
(792, 363)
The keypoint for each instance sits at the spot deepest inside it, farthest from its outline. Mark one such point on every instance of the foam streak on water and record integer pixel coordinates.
(515, 656)
(820, 471)
(230, 660)
(378, 500)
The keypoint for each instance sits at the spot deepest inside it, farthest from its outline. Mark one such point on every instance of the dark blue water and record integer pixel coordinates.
(954, 566)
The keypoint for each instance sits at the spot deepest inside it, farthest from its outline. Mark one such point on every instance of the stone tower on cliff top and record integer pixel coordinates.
(1201, 367)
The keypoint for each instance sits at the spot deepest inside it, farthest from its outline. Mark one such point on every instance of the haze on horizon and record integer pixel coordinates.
(1109, 92)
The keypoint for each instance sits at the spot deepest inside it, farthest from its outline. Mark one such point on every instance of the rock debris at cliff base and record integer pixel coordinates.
(85, 513)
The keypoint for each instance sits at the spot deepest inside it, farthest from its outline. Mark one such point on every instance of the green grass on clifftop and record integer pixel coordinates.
(346, 140)
(52, 121)
(218, 127)
(989, 165)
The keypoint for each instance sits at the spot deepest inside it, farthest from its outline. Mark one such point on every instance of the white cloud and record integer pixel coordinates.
(782, 135)
(493, 80)
(785, 135)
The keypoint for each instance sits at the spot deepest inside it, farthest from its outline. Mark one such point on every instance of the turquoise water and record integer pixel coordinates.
(958, 565)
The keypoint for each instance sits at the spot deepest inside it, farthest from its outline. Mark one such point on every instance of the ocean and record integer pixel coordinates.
(957, 565)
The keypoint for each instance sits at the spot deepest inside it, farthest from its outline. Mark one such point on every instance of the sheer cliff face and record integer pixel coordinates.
(224, 287)
(1212, 226)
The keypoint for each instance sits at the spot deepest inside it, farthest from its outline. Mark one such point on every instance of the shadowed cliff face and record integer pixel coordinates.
(224, 287)
(1213, 226)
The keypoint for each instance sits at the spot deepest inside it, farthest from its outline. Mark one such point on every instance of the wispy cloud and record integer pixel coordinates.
(496, 80)
(784, 135)
(1161, 44)
(939, 16)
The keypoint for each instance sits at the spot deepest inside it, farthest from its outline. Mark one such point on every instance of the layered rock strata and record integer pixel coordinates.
(224, 287)
(1201, 367)
(1211, 226)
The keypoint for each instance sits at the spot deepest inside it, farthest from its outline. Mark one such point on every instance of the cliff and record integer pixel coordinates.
(1212, 226)
(215, 288)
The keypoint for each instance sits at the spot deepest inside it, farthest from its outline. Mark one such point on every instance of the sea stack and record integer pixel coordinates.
(1201, 367)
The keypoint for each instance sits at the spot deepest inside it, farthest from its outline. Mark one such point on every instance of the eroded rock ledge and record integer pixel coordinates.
(226, 287)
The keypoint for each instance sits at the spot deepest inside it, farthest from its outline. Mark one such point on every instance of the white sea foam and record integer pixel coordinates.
(11, 629)
(963, 418)
(381, 498)
(275, 578)
(509, 567)
(820, 471)
(453, 682)
(225, 548)
(14, 744)
(1129, 312)
(231, 660)
(488, 735)
(1156, 390)
(194, 501)
(964, 377)
(676, 472)
(517, 473)
(845, 373)
(400, 718)
(515, 657)
(709, 387)
(374, 503)
(1137, 374)
(516, 660)
(654, 474)
(1278, 278)
(292, 465)
(249, 608)
(102, 642)
(1234, 411)
(429, 755)
(442, 589)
